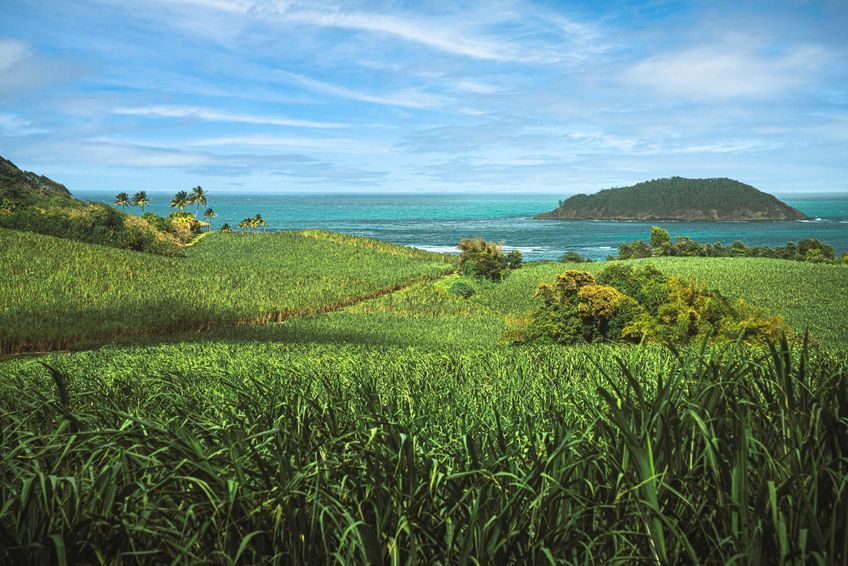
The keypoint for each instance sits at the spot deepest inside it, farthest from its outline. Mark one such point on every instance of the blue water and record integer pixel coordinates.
(438, 222)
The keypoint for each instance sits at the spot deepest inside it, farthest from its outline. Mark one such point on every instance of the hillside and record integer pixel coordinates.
(34, 203)
(56, 293)
(676, 198)
(27, 187)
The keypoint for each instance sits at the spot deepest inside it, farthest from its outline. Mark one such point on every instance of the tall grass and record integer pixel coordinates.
(290, 454)
(57, 293)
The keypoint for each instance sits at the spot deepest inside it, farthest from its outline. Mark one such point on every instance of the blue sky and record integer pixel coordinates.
(244, 95)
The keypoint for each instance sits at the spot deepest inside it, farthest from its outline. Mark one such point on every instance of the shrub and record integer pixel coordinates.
(573, 257)
(460, 288)
(514, 259)
(660, 244)
(480, 258)
(639, 304)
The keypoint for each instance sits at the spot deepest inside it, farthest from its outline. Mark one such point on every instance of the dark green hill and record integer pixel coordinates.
(34, 203)
(676, 198)
(25, 187)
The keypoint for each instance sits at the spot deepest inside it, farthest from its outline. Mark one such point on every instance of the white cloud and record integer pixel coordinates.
(326, 145)
(726, 71)
(11, 52)
(475, 87)
(408, 98)
(431, 34)
(446, 34)
(219, 116)
(14, 125)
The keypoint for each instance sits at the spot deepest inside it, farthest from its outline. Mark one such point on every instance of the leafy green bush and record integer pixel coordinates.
(660, 245)
(630, 304)
(514, 259)
(573, 257)
(483, 259)
(460, 288)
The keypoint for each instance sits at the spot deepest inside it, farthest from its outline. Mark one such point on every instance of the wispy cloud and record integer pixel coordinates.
(14, 125)
(409, 98)
(350, 145)
(726, 71)
(11, 52)
(212, 115)
(432, 34)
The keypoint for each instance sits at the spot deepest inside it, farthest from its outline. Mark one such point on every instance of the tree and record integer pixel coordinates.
(480, 258)
(122, 200)
(247, 223)
(573, 257)
(659, 238)
(209, 215)
(180, 201)
(197, 198)
(226, 227)
(259, 221)
(140, 199)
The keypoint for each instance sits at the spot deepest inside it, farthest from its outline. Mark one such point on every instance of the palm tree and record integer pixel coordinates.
(197, 198)
(140, 199)
(180, 201)
(259, 221)
(209, 215)
(246, 223)
(122, 200)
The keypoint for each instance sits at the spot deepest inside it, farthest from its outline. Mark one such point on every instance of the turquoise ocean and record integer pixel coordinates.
(438, 221)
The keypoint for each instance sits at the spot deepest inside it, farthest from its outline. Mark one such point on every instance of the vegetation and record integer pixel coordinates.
(480, 258)
(806, 295)
(637, 304)
(660, 245)
(383, 419)
(141, 200)
(260, 452)
(210, 215)
(676, 198)
(35, 203)
(26, 188)
(57, 293)
(197, 199)
(574, 257)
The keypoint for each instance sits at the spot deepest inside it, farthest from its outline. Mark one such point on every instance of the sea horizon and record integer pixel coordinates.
(438, 221)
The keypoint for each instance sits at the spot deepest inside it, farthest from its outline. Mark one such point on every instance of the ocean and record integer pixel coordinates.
(439, 221)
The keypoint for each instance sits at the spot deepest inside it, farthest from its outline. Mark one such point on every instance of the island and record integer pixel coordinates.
(676, 198)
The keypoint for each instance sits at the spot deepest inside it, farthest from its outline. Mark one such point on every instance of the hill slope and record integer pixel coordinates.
(34, 203)
(26, 186)
(56, 293)
(676, 198)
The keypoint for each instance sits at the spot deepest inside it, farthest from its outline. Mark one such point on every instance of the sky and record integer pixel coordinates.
(535, 97)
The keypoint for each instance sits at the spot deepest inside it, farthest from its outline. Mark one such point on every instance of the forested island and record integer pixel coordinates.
(676, 198)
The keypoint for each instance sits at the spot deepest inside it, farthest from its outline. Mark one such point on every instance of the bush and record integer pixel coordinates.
(514, 259)
(573, 257)
(660, 244)
(480, 258)
(460, 288)
(639, 304)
